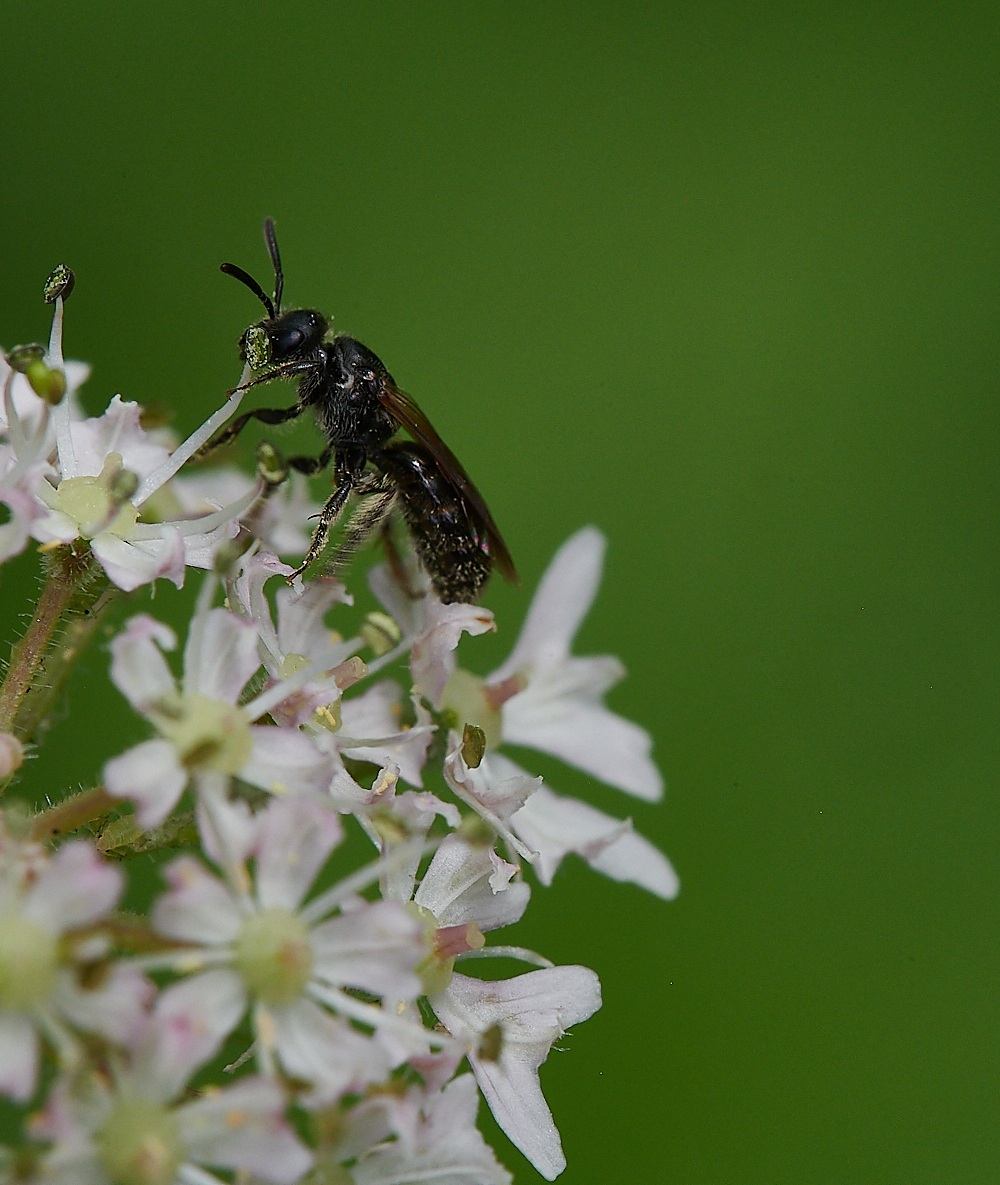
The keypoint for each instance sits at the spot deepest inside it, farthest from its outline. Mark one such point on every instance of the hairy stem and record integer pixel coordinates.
(72, 813)
(74, 595)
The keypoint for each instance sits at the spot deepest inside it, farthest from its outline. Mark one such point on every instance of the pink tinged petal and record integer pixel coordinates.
(301, 626)
(432, 659)
(116, 431)
(456, 888)
(376, 714)
(533, 1010)
(133, 562)
(221, 656)
(327, 1051)
(591, 738)
(116, 1007)
(560, 604)
(227, 828)
(436, 1069)
(138, 669)
(295, 836)
(554, 826)
(375, 947)
(243, 1128)
(76, 887)
(151, 776)
(198, 908)
(445, 1148)
(284, 760)
(407, 611)
(190, 1021)
(492, 784)
(18, 1056)
(256, 572)
(201, 547)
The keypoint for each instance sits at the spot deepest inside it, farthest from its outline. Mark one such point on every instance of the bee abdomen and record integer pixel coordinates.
(453, 552)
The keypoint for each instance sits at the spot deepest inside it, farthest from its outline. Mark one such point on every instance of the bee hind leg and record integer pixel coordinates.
(327, 517)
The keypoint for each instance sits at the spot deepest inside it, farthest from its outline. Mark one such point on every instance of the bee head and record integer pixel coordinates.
(287, 338)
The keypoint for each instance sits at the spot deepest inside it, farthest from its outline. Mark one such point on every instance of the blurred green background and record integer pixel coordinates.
(721, 279)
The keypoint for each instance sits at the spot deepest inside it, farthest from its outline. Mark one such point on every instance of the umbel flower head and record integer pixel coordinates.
(348, 993)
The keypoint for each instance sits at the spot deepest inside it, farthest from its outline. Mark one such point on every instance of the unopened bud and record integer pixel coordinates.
(123, 485)
(256, 348)
(473, 745)
(11, 754)
(349, 672)
(491, 1044)
(380, 632)
(271, 464)
(229, 552)
(60, 283)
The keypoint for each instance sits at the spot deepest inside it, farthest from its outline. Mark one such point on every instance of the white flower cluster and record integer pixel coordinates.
(344, 992)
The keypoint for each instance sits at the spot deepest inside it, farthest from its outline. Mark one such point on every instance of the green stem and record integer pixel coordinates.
(74, 595)
(72, 813)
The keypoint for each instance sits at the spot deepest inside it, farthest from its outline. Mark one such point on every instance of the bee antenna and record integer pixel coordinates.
(245, 278)
(279, 276)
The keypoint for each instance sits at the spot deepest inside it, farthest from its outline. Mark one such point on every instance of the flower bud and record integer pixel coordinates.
(380, 632)
(11, 754)
(270, 463)
(473, 745)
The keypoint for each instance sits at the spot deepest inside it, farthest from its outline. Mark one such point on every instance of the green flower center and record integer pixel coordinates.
(464, 695)
(28, 961)
(140, 1145)
(274, 956)
(207, 733)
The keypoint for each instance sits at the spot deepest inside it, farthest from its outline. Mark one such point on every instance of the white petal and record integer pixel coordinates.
(243, 1127)
(560, 604)
(198, 907)
(375, 947)
(294, 838)
(18, 1056)
(553, 826)
(116, 1008)
(377, 714)
(285, 760)
(190, 1021)
(257, 571)
(444, 1149)
(432, 659)
(116, 431)
(589, 737)
(456, 888)
(151, 776)
(131, 562)
(326, 1051)
(534, 1010)
(138, 669)
(76, 887)
(407, 611)
(220, 656)
(301, 626)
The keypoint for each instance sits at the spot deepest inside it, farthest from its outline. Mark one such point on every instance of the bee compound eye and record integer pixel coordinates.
(256, 347)
(286, 341)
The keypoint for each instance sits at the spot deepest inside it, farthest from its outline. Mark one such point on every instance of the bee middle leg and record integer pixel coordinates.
(378, 498)
(327, 517)
(311, 465)
(266, 415)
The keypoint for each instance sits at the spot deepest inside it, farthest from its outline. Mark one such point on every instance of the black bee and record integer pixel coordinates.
(360, 410)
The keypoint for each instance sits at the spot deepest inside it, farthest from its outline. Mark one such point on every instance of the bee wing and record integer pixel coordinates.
(415, 422)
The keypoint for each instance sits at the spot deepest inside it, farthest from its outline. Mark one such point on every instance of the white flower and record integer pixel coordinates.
(204, 732)
(431, 629)
(289, 962)
(107, 469)
(436, 1143)
(546, 698)
(281, 523)
(40, 986)
(131, 1129)
(509, 1026)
